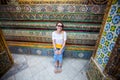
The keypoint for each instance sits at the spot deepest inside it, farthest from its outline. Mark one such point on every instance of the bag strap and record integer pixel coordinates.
(63, 36)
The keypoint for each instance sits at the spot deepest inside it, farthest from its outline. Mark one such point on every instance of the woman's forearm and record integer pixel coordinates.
(54, 44)
(63, 45)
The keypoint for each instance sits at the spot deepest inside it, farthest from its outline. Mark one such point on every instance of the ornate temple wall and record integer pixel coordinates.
(108, 37)
(6, 60)
(28, 24)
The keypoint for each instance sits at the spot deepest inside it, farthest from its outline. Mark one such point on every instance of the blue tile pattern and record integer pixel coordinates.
(109, 35)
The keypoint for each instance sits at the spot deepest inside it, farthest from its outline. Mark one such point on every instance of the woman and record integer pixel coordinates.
(59, 40)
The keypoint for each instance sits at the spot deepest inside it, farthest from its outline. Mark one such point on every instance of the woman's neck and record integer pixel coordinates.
(59, 32)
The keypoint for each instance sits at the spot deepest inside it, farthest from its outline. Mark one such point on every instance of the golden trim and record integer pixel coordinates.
(6, 47)
(51, 1)
(101, 71)
(46, 45)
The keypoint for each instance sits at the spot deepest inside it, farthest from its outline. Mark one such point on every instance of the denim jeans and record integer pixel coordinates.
(59, 57)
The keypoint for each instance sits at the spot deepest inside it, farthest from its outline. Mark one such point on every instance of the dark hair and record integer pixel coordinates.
(61, 23)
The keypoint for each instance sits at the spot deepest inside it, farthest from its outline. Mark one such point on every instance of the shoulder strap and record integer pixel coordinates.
(63, 35)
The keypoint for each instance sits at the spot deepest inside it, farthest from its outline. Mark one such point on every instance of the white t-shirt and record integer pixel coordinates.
(59, 37)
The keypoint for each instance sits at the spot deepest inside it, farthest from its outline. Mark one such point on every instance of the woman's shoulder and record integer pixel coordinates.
(54, 32)
(64, 32)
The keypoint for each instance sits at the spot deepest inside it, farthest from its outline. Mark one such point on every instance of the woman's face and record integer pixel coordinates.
(59, 28)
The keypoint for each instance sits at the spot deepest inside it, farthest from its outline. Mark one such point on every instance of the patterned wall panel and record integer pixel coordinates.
(6, 60)
(62, 1)
(47, 49)
(52, 16)
(84, 38)
(63, 12)
(61, 8)
(94, 73)
(113, 66)
(69, 26)
(109, 35)
(5, 63)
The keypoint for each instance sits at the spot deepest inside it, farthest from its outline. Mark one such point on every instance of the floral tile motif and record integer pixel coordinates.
(116, 19)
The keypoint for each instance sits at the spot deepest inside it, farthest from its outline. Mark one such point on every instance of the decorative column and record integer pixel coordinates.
(112, 68)
(108, 36)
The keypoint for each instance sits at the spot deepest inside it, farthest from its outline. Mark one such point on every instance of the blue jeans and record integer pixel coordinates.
(59, 57)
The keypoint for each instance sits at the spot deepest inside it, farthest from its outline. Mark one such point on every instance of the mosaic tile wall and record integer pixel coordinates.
(63, 12)
(109, 35)
(5, 63)
(83, 54)
(69, 26)
(113, 66)
(33, 21)
(45, 49)
(52, 10)
(61, 1)
(5, 58)
(84, 38)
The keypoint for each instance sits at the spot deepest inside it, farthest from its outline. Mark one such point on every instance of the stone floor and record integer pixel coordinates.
(34, 67)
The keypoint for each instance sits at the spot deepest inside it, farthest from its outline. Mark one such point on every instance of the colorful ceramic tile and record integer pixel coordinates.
(109, 36)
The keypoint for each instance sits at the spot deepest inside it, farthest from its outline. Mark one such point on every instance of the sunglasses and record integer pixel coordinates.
(59, 25)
